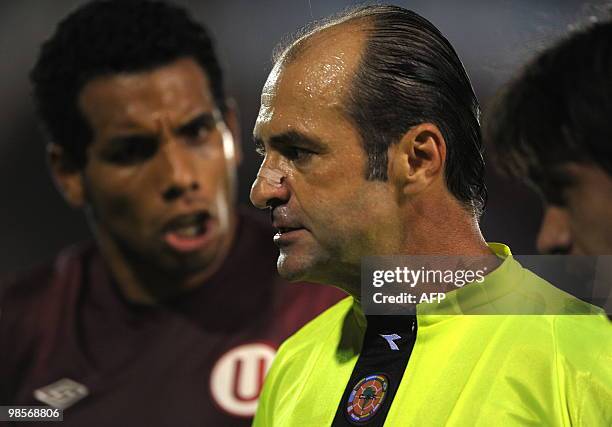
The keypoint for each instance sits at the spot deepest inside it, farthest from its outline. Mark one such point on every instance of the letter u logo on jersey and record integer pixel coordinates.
(237, 378)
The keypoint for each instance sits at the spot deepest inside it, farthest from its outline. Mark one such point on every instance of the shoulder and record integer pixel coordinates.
(584, 339)
(557, 300)
(24, 286)
(308, 340)
(550, 315)
(296, 358)
(29, 291)
(313, 332)
(305, 346)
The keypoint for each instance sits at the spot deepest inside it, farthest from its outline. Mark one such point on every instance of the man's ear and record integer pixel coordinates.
(418, 158)
(67, 177)
(233, 124)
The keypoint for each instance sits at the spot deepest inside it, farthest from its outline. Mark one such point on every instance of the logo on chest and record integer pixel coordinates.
(390, 338)
(367, 398)
(237, 378)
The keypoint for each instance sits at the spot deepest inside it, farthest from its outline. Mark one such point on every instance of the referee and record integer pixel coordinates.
(371, 142)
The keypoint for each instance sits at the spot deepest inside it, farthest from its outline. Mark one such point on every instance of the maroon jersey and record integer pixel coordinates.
(68, 338)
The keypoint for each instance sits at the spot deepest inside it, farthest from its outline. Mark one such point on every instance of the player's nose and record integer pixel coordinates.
(269, 188)
(179, 173)
(555, 232)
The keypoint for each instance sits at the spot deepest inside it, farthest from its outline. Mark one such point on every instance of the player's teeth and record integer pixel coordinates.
(192, 231)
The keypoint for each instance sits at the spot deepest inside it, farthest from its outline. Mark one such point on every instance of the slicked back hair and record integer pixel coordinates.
(409, 74)
(108, 37)
(558, 110)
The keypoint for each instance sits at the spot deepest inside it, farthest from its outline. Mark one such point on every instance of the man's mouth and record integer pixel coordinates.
(288, 227)
(287, 235)
(284, 230)
(187, 233)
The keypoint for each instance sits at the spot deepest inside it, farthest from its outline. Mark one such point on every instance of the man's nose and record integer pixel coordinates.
(179, 174)
(269, 188)
(555, 233)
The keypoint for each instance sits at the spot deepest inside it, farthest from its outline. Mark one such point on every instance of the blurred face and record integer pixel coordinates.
(326, 213)
(580, 222)
(157, 177)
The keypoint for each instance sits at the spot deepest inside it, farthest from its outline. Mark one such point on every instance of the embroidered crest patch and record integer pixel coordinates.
(367, 398)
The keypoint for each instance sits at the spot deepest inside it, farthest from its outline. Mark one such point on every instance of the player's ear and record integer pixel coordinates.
(68, 178)
(231, 118)
(417, 160)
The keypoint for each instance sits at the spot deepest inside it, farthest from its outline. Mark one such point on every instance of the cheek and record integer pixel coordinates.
(345, 213)
(589, 222)
(217, 187)
(213, 174)
(115, 208)
(118, 199)
(210, 164)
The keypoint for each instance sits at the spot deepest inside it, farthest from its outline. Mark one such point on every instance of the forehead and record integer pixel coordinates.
(176, 90)
(303, 93)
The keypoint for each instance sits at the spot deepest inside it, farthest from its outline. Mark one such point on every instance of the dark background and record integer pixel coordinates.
(493, 39)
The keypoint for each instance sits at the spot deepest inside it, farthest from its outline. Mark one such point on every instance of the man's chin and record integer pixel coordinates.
(288, 273)
(293, 268)
(177, 263)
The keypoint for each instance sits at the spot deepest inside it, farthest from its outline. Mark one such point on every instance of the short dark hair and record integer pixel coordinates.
(107, 37)
(410, 74)
(557, 110)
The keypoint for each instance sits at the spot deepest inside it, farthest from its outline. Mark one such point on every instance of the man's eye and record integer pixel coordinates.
(555, 193)
(131, 153)
(298, 154)
(197, 132)
(557, 188)
(553, 184)
(555, 198)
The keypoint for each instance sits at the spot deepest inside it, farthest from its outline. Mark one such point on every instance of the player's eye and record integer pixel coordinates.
(555, 188)
(131, 150)
(555, 198)
(197, 131)
(555, 191)
(553, 183)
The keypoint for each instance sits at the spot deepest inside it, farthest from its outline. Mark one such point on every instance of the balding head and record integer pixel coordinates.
(321, 65)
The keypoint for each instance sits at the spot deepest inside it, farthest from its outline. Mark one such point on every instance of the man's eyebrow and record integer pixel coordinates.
(201, 120)
(136, 138)
(294, 138)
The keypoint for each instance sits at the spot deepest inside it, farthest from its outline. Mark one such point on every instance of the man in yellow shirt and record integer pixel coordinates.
(371, 142)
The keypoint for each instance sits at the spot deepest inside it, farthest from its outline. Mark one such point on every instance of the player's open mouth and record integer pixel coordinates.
(188, 233)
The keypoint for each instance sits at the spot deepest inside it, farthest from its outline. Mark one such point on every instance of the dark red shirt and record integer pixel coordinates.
(197, 360)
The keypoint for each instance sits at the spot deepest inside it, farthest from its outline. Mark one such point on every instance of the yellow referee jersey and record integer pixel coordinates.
(464, 370)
